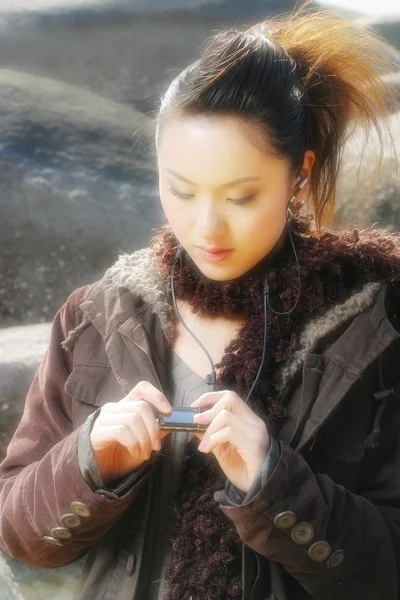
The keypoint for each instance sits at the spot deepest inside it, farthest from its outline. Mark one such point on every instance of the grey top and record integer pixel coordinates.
(185, 387)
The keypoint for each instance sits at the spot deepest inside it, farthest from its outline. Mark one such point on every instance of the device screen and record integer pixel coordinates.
(181, 416)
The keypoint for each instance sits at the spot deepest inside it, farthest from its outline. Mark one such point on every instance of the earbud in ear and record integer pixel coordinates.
(303, 183)
(299, 187)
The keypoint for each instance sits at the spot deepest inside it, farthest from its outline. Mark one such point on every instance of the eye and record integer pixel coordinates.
(244, 200)
(238, 201)
(174, 192)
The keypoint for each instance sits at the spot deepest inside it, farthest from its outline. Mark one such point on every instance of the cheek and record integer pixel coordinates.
(177, 217)
(170, 207)
(164, 199)
(262, 227)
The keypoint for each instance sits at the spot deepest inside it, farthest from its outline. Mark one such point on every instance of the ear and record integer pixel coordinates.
(308, 163)
(304, 172)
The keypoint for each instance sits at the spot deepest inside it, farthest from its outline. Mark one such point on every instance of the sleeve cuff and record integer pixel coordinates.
(233, 496)
(90, 470)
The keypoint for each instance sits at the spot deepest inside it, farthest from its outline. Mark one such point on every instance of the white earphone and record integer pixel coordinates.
(300, 187)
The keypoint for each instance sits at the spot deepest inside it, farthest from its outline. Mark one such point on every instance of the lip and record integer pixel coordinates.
(216, 254)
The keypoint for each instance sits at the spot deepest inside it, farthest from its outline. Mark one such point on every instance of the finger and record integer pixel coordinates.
(144, 390)
(209, 399)
(232, 402)
(128, 405)
(223, 419)
(248, 441)
(135, 424)
(145, 411)
(227, 435)
(256, 435)
(117, 433)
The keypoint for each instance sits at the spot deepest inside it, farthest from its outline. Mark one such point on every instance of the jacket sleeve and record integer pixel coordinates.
(90, 470)
(233, 496)
(41, 483)
(352, 542)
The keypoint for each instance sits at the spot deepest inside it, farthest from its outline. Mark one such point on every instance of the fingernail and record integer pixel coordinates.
(166, 405)
(157, 445)
(198, 417)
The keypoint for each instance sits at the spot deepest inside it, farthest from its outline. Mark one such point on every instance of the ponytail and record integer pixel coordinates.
(339, 68)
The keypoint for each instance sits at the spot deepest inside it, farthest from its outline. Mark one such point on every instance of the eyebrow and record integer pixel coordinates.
(224, 185)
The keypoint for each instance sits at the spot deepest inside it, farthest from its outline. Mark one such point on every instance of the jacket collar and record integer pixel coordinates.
(128, 289)
(328, 376)
(133, 289)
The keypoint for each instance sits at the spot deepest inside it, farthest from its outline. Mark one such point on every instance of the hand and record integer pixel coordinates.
(125, 432)
(236, 436)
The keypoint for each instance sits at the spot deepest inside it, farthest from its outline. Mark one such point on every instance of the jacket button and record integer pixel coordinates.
(80, 509)
(285, 520)
(335, 559)
(53, 540)
(70, 520)
(131, 564)
(62, 533)
(319, 551)
(302, 533)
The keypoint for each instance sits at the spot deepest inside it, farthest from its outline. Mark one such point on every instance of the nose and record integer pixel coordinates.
(211, 224)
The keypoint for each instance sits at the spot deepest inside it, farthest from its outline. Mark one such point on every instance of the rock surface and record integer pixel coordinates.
(77, 162)
(8, 587)
(76, 191)
(30, 583)
(21, 350)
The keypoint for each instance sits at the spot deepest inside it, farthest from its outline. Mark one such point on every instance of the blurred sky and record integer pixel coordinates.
(369, 7)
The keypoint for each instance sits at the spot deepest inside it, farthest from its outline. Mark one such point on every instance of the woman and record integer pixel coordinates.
(284, 336)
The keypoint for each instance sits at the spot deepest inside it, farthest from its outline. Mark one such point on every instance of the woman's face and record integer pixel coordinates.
(220, 188)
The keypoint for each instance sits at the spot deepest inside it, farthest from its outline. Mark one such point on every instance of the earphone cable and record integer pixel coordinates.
(298, 279)
(213, 379)
(265, 295)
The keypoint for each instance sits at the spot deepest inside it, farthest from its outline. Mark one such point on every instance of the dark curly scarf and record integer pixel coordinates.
(206, 548)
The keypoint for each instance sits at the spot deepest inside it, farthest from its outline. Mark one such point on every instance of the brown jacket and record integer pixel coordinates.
(328, 518)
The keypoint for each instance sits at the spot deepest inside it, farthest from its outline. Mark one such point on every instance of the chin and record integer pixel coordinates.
(218, 273)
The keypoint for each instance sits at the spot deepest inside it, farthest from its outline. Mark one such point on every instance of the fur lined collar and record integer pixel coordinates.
(139, 274)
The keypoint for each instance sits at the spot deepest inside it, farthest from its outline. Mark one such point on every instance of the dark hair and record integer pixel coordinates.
(308, 79)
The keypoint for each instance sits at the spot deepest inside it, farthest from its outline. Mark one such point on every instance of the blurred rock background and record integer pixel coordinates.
(80, 81)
